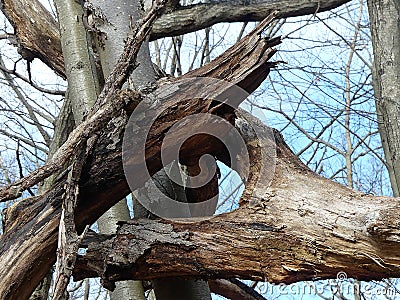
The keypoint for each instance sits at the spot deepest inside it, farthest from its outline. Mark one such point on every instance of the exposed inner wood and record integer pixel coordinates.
(302, 227)
(27, 247)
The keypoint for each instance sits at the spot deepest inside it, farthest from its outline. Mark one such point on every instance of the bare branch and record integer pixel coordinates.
(179, 21)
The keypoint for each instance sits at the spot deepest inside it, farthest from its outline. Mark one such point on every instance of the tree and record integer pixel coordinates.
(385, 77)
(286, 252)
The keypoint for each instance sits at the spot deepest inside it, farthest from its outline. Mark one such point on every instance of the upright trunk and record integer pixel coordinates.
(119, 15)
(174, 288)
(384, 22)
(116, 29)
(82, 81)
(107, 223)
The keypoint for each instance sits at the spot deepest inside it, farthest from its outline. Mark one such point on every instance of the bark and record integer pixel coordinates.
(181, 289)
(106, 108)
(385, 32)
(27, 247)
(116, 29)
(37, 32)
(83, 91)
(175, 287)
(81, 76)
(303, 227)
(64, 125)
(199, 16)
(38, 35)
(107, 224)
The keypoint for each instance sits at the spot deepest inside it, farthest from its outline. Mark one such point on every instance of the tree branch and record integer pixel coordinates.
(234, 289)
(194, 17)
(37, 31)
(104, 110)
(28, 245)
(303, 227)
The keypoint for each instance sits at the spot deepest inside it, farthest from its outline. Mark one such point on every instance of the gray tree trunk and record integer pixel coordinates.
(384, 22)
(119, 15)
(80, 95)
(116, 29)
(172, 288)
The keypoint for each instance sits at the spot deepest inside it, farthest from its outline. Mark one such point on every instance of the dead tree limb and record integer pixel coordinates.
(28, 245)
(303, 227)
(106, 107)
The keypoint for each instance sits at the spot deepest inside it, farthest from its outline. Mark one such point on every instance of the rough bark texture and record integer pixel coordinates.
(27, 247)
(106, 108)
(385, 32)
(199, 16)
(304, 227)
(38, 33)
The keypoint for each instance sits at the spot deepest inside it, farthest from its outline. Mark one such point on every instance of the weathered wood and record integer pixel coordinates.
(303, 227)
(27, 247)
(106, 108)
(68, 238)
(38, 34)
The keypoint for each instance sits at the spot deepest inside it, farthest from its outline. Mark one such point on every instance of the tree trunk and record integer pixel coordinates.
(117, 29)
(385, 31)
(119, 16)
(107, 223)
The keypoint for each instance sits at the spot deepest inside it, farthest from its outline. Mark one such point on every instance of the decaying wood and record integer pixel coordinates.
(303, 227)
(38, 33)
(68, 238)
(106, 108)
(28, 245)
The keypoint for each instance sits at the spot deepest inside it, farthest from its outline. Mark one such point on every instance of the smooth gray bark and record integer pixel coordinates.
(78, 64)
(116, 29)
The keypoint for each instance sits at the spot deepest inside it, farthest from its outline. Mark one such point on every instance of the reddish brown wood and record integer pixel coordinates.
(27, 247)
(303, 227)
